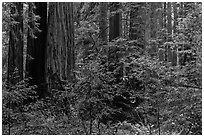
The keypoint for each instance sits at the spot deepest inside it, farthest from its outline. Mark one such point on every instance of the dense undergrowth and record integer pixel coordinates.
(151, 98)
(120, 88)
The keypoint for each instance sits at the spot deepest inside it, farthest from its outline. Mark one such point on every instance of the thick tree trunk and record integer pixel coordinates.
(103, 22)
(60, 45)
(36, 47)
(15, 53)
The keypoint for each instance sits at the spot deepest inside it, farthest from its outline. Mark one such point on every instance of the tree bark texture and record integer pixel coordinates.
(164, 15)
(115, 24)
(154, 17)
(174, 56)
(175, 17)
(125, 21)
(159, 15)
(147, 35)
(36, 46)
(169, 18)
(137, 23)
(15, 53)
(60, 44)
(169, 53)
(103, 22)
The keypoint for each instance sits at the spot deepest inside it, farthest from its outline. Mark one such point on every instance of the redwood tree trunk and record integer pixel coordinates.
(147, 35)
(60, 45)
(115, 23)
(15, 53)
(35, 64)
(169, 18)
(164, 16)
(137, 23)
(153, 20)
(103, 22)
(175, 16)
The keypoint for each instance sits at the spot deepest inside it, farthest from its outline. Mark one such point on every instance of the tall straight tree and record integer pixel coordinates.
(147, 35)
(36, 45)
(15, 53)
(103, 22)
(154, 18)
(137, 23)
(169, 18)
(115, 24)
(175, 23)
(175, 16)
(164, 15)
(125, 20)
(60, 44)
(159, 15)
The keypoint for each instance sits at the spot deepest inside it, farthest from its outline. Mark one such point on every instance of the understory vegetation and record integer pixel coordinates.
(120, 86)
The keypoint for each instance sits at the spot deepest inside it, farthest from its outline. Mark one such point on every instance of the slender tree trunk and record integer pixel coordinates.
(181, 11)
(125, 21)
(174, 56)
(36, 47)
(159, 15)
(181, 46)
(169, 52)
(169, 18)
(115, 28)
(158, 118)
(60, 44)
(175, 48)
(15, 53)
(164, 16)
(175, 16)
(153, 19)
(115, 24)
(147, 25)
(137, 24)
(103, 22)
(103, 25)
(159, 12)
(126, 24)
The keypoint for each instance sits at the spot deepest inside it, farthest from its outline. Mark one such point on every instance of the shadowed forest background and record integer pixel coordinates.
(102, 68)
